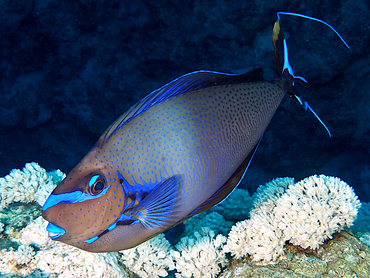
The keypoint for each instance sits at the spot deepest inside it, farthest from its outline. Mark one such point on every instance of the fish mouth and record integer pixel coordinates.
(54, 231)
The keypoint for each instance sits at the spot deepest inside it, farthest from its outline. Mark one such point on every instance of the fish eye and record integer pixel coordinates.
(96, 184)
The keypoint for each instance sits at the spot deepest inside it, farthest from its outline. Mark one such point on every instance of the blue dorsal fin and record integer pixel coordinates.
(181, 85)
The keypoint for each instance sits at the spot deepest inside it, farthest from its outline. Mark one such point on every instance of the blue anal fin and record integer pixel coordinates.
(155, 210)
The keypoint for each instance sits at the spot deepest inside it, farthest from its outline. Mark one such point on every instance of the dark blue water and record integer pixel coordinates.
(70, 68)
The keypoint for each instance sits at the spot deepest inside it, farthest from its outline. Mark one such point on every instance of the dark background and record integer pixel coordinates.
(70, 68)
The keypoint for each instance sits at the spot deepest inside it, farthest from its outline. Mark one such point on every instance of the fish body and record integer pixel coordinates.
(176, 153)
(196, 140)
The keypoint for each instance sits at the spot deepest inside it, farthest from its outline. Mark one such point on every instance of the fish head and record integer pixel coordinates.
(85, 205)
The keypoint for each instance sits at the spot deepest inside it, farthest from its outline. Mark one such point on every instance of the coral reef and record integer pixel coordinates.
(315, 208)
(200, 255)
(305, 213)
(343, 256)
(39, 256)
(150, 259)
(33, 184)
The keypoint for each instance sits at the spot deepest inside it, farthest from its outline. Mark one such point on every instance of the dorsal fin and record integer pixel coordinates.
(186, 83)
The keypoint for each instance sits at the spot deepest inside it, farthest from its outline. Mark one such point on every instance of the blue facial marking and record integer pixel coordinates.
(70, 198)
(65, 198)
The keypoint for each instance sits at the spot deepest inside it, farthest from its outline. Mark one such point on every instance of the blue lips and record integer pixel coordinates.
(55, 231)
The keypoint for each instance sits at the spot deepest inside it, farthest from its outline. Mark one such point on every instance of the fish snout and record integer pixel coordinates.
(54, 231)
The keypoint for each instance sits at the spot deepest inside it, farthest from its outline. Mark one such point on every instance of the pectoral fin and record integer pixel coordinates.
(159, 206)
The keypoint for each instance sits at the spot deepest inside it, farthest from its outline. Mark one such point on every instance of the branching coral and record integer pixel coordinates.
(31, 184)
(267, 194)
(51, 258)
(259, 237)
(54, 257)
(150, 259)
(306, 213)
(24, 254)
(200, 255)
(314, 209)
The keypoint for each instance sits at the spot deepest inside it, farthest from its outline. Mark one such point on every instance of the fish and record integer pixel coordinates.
(178, 152)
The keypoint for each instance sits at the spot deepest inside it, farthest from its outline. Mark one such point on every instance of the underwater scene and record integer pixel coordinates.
(185, 138)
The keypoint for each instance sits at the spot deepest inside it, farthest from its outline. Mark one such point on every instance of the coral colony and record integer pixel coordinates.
(305, 214)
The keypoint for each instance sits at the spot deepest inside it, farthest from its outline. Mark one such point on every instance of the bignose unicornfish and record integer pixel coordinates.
(176, 153)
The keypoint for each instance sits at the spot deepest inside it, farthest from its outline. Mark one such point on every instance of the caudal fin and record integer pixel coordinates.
(282, 65)
(288, 81)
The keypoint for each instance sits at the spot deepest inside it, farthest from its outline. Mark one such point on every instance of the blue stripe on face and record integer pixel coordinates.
(70, 198)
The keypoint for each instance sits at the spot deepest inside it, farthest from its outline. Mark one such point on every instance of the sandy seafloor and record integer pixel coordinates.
(70, 68)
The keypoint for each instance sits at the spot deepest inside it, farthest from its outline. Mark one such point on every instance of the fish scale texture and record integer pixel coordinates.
(185, 135)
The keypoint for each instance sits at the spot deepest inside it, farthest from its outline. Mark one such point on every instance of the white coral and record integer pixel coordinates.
(259, 237)
(31, 184)
(266, 195)
(306, 214)
(200, 255)
(67, 261)
(315, 208)
(35, 233)
(17, 262)
(45, 188)
(55, 258)
(8, 262)
(151, 258)
(24, 254)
